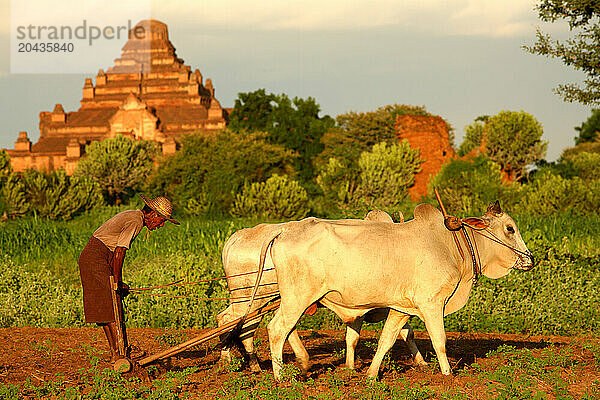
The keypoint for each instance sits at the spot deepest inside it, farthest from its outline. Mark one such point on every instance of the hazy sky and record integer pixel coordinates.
(460, 59)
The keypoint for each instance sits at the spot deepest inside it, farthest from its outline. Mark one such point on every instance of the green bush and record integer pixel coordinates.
(13, 200)
(120, 165)
(587, 147)
(473, 137)
(277, 197)
(585, 165)
(192, 308)
(55, 195)
(468, 186)
(200, 205)
(550, 194)
(203, 177)
(52, 195)
(5, 167)
(338, 183)
(386, 173)
(380, 179)
(534, 301)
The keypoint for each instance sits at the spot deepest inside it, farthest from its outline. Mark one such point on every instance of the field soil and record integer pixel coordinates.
(44, 355)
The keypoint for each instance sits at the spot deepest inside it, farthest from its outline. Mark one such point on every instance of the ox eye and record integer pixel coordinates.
(510, 229)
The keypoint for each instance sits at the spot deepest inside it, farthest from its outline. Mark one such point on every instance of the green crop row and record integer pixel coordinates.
(39, 277)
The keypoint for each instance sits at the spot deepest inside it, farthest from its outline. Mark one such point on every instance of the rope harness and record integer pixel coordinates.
(454, 225)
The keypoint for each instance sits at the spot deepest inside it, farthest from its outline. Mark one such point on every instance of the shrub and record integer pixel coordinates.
(550, 194)
(386, 173)
(278, 197)
(200, 205)
(210, 170)
(5, 167)
(38, 298)
(338, 183)
(380, 178)
(13, 202)
(120, 165)
(467, 186)
(587, 147)
(51, 195)
(547, 194)
(588, 131)
(585, 165)
(55, 195)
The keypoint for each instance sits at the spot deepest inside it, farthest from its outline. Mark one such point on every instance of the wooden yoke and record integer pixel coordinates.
(117, 308)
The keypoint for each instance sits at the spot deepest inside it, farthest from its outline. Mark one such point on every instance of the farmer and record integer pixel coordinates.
(103, 256)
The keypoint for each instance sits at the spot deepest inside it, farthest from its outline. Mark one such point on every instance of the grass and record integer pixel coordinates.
(40, 286)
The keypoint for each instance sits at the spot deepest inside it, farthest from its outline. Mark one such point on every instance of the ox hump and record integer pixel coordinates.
(427, 212)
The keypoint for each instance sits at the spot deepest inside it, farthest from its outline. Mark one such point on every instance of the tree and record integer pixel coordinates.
(252, 111)
(359, 132)
(207, 172)
(294, 124)
(589, 131)
(120, 165)
(372, 127)
(581, 52)
(513, 140)
(473, 135)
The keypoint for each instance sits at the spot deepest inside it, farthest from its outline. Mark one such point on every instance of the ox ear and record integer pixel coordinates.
(476, 223)
(494, 209)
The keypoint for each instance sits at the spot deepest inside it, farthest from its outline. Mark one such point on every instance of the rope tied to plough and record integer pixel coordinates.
(179, 282)
(233, 299)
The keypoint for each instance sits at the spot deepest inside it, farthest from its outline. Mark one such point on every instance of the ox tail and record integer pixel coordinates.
(236, 331)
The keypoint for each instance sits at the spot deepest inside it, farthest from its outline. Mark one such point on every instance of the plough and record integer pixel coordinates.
(125, 364)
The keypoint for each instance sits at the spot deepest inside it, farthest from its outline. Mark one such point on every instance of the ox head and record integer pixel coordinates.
(505, 248)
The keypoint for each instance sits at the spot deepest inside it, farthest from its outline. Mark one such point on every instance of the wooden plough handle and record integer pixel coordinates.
(121, 344)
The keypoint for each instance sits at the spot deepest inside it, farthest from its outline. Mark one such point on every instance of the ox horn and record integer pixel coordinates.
(494, 208)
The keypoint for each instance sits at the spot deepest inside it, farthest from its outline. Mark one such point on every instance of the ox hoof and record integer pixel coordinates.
(255, 368)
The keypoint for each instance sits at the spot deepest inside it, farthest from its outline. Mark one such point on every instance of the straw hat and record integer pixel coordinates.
(162, 206)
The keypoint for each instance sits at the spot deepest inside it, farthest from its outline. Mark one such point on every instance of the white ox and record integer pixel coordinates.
(413, 268)
(241, 255)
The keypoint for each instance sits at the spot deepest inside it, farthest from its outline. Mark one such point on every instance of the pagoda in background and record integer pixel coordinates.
(149, 94)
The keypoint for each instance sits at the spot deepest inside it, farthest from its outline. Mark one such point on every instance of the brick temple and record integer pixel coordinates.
(430, 135)
(148, 94)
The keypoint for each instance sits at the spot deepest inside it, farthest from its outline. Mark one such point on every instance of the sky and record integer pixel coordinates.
(460, 59)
